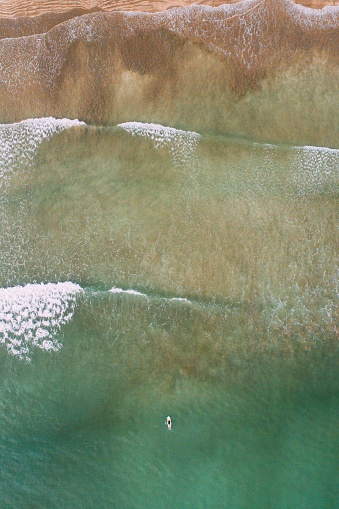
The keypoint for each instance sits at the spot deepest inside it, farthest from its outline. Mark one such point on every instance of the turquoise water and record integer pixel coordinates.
(148, 272)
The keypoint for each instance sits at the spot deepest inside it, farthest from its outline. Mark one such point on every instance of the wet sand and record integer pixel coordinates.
(39, 7)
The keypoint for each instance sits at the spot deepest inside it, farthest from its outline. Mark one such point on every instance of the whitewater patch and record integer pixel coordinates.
(129, 292)
(315, 170)
(139, 294)
(31, 316)
(181, 144)
(308, 17)
(20, 141)
(214, 26)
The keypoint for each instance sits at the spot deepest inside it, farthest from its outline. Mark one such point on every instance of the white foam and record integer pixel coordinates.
(50, 122)
(312, 170)
(31, 316)
(48, 52)
(180, 299)
(309, 307)
(181, 144)
(252, 17)
(321, 18)
(332, 151)
(29, 58)
(315, 169)
(130, 292)
(157, 132)
(214, 30)
(134, 292)
(20, 141)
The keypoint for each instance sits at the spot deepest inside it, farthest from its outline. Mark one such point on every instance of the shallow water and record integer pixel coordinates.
(167, 273)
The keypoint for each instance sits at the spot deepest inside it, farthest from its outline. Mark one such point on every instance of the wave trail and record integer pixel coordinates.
(20, 141)
(129, 292)
(139, 294)
(181, 144)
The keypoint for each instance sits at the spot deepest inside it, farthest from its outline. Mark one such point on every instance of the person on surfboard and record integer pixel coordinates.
(168, 422)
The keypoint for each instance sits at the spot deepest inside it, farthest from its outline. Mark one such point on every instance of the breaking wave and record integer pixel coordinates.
(31, 316)
(181, 144)
(20, 141)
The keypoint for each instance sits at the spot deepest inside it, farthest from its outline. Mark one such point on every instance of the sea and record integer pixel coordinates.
(148, 272)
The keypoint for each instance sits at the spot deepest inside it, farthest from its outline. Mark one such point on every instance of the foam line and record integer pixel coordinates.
(130, 292)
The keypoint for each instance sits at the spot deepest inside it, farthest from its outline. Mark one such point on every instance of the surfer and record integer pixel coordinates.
(168, 422)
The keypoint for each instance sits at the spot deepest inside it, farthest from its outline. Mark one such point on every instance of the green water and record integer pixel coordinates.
(253, 426)
(232, 250)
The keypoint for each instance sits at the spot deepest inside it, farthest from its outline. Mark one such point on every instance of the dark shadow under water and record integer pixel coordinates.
(253, 425)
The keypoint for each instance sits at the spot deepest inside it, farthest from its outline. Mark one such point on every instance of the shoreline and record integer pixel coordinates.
(32, 9)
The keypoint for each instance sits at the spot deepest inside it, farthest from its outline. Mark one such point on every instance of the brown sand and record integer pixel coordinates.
(262, 69)
(15, 8)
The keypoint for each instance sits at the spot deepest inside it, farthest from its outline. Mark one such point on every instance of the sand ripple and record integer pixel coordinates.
(30, 8)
